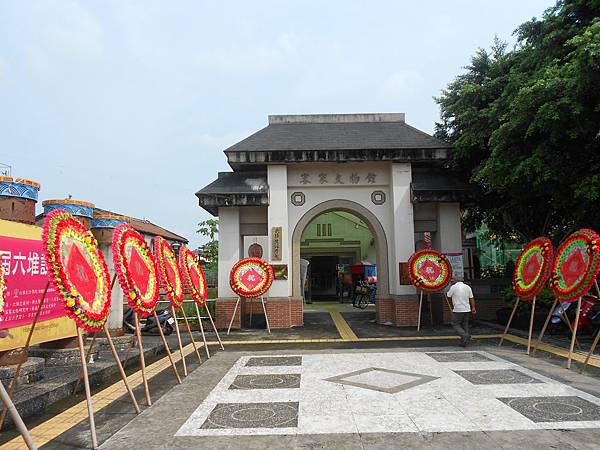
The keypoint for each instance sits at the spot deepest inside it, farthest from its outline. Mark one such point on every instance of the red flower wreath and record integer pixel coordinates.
(429, 270)
(193, 275)
(576, 265)
(77, 269)
(170, 276)
(136, 269)
(251, 277)
(533, 268)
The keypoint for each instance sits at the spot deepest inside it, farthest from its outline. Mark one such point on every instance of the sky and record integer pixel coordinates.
(130, 104)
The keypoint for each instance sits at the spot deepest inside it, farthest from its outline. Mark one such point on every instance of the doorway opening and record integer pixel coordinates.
(341, 253)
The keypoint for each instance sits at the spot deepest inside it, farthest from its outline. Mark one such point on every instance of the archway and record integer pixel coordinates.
(367, 217)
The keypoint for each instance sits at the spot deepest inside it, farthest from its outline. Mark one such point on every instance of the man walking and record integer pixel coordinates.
(463, 304)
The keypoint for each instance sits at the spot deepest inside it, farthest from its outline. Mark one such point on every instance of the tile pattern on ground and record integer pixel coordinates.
(382, 380)
(458, 356)
(274, 361)
(253, 415)
(503, 376)
(370, 392)
(555, 409)
(267, 381)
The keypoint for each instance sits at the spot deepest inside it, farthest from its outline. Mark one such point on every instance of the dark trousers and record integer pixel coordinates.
(460, 323)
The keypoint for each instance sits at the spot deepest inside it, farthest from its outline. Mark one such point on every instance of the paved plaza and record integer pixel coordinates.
(363, 398)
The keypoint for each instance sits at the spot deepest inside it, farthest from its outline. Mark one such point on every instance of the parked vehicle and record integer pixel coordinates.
(589, 315)
(150, 327)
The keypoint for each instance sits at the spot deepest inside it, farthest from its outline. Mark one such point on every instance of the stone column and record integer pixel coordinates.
(278, 217)
(103, 226)
(18, 197)
(229, 254)
(401, 309)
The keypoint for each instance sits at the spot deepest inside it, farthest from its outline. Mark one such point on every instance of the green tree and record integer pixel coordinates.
(525, 125)
(210, 250)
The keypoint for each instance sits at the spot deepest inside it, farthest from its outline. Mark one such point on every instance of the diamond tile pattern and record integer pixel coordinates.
(382, 380)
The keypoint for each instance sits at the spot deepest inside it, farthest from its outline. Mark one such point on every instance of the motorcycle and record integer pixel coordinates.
(150, 326)
(589, 315)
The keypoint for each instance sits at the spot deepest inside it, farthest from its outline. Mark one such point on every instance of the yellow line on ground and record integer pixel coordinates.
(557, 351)
(55, 426)
(338, 340)
(342, 326)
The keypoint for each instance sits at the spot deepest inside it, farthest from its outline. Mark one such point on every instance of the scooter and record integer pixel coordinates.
(588, 315)
(150, 327)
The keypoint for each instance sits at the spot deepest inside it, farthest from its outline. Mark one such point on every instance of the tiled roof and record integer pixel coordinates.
(306, 136)
(145, 226)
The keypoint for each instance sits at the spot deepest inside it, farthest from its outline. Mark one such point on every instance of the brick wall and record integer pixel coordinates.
(407, 312)
(385, 311)
(296, 312)
(282, 312)
(17, 209)
(224, 310)
(446, 313)
(487, 307)
(400, 312)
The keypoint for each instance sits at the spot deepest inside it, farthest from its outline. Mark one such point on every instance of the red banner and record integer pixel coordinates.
(26, 274)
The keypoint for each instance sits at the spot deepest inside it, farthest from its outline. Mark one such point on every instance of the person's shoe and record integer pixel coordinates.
(467, 340)
(463, 341)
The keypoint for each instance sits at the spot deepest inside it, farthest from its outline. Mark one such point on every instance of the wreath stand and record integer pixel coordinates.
(113, 350)
(573, 329)
(531, 319)
(185, 371)
(202, 328)
(13, 383)
(237, 303)
(420, 310)
(14, 414)
(596, 339)
(187, 324)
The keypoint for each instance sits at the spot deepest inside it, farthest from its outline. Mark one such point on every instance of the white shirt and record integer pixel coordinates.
(460, 293)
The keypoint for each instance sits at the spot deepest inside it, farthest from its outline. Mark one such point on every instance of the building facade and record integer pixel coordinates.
(372, 166)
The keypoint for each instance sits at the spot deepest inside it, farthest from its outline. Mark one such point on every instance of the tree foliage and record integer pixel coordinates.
(210, 250)
(525, 124)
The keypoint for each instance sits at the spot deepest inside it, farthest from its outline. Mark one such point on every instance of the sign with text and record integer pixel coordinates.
(26, 272)
(456, 261)
(276, 237)
(337, 175)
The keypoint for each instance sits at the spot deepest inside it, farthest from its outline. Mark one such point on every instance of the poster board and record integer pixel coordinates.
(456, 261)
(26, 271)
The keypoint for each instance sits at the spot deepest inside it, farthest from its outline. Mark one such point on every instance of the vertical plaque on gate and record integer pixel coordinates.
(276, 238)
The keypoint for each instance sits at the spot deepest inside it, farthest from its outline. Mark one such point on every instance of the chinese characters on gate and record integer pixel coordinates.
(338, 178)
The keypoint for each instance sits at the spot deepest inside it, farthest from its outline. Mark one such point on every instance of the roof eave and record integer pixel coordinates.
(237, 159)
(211, 202)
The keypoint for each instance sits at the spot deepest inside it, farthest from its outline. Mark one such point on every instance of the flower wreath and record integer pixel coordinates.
(170, 276)
(193, 275)
(77, 269)
(2, 290)
(251, 277)
(576, 265)
(533, 268)
(136, 269)
(429, 270)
